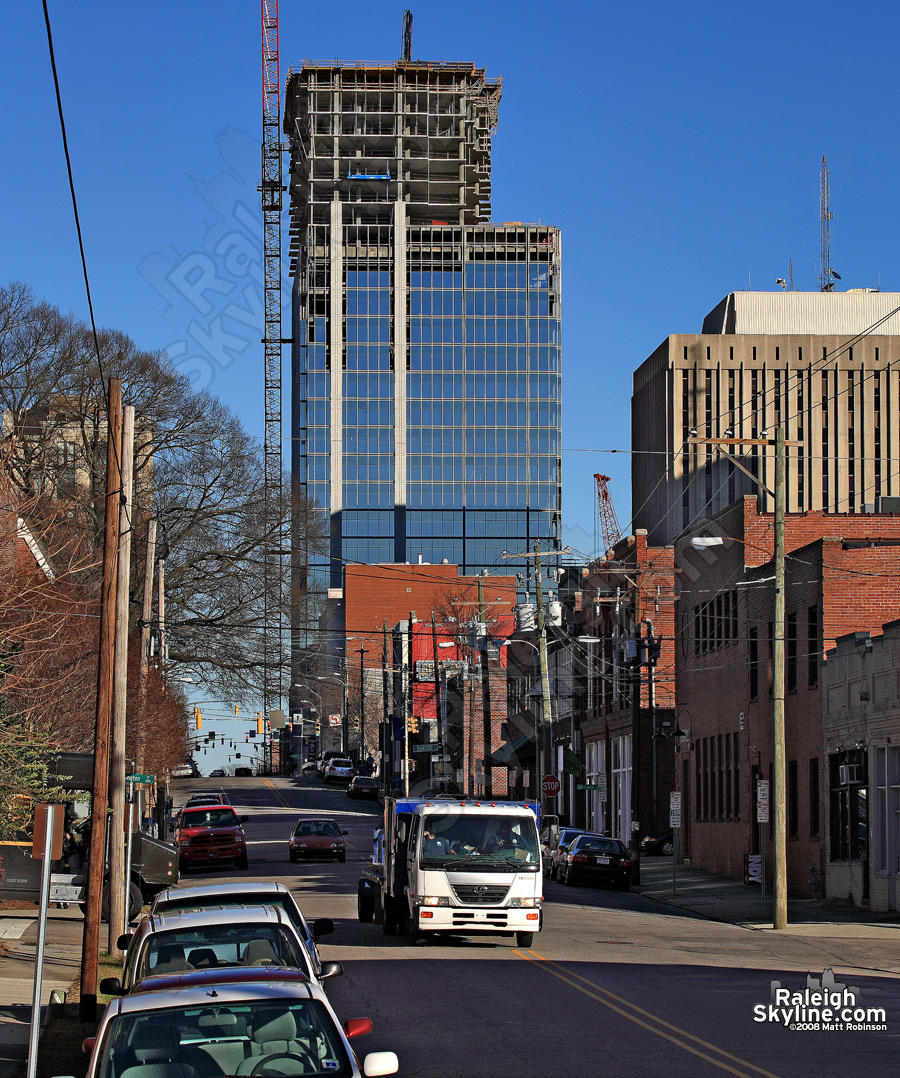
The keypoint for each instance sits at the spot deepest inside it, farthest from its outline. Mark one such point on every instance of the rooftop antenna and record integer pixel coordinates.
(407, 35)
(827, 276)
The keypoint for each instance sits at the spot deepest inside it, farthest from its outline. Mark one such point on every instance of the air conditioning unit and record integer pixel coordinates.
(848, 774)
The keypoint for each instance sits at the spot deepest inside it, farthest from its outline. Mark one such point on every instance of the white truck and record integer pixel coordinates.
(455, 865)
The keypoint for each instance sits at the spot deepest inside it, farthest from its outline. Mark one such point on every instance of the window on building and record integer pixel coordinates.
(886, 815)
(728, 778)
(814, 821)
(736, 746)
(812, 645)
(847, 797)
(793, 800)
(791, 656)
(705, 745)
(698, 781)
(754, 665)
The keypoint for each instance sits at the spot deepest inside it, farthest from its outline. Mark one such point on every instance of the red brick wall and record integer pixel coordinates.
(851, 590)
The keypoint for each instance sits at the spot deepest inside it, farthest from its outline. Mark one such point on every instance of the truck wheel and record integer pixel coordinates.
(242, 861)
(524, 939)
(365, 902)
(135, 902)
(391, 923)
(415, 935)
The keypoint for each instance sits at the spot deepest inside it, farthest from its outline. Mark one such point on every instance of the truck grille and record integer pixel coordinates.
(212, 840)
(477, 895)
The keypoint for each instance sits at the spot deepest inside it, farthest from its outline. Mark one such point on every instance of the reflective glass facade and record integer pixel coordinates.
(426, 361)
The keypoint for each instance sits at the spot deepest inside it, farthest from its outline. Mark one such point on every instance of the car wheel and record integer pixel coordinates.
(567, 879)
(293, 859)
(242, 861)
(524, 939)
(667, 848)
(342, 858)
(623, 885)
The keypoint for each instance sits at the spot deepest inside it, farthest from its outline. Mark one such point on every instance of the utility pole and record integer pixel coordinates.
(437, 686)
(387, 731)
(636, 800)
(90, 950)
(146, 617)
(486, 716)
(118, 885)
(778, 656)
(408, 702)
(161, 611)
(778, 680)
(345, 708)
(363, 769)
(544, 747)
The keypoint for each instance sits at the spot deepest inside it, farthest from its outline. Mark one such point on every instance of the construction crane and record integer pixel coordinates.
(606, 513)
(271, 190)
(406, 44)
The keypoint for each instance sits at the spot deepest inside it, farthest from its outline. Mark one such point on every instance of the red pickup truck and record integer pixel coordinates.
(208, 834)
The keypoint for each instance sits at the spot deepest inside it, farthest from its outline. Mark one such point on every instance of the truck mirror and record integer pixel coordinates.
(244, 819)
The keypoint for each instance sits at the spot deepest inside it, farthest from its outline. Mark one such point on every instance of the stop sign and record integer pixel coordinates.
(550, 786)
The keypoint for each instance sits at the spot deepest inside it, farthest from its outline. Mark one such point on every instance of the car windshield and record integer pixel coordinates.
(217, 1039)
(210, 817)
(312, 828)
(366, 782)
(475, 838)
(600, 845)
(219, 945)
(340, 763)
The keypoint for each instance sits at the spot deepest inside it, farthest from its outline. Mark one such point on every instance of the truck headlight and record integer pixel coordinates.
(429, 900)
(519, 903)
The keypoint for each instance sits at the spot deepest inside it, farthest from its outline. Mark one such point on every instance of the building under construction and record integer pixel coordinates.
(426, 357)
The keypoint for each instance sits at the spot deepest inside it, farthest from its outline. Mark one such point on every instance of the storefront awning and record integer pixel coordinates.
(510, 753)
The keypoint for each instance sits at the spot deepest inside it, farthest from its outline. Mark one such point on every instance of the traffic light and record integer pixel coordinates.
(198, 718)
(259, 722)
(237, 756)
(235, 709)
(413, 724)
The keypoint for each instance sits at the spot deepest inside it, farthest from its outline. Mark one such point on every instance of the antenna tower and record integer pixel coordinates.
(606, 514)
(826, 274)
(271, 189)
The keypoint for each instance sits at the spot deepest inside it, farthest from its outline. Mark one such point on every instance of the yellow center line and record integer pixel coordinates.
(277, 793)
(570, 978)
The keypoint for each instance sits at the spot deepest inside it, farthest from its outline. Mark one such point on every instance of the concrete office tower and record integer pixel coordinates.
(826, 365)
(426, 360)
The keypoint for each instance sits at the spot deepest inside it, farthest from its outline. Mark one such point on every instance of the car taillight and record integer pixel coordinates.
(578, 858)
(625, 863)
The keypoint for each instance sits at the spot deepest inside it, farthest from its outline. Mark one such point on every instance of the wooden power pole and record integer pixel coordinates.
(90, 951)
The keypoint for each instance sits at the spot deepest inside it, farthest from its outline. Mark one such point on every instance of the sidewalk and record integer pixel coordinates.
(61, 965)
(724, 898)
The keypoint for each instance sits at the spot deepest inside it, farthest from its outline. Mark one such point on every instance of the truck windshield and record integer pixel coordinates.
(479, 838)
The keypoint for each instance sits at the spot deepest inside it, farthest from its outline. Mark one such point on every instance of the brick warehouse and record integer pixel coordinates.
(839, 575)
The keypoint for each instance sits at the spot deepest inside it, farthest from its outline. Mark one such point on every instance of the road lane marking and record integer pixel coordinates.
(278, 794)
(570, 978)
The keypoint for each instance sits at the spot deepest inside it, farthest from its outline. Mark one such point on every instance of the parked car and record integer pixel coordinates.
(556, 846)
(317, 836)
(243, 772)
(361, 786)
(215, 938)
(339, 769)
(260, 1022)
(247, 893)
(596, 859)
(218, 773)
(330, 754)
(208, 834)
(658, 844)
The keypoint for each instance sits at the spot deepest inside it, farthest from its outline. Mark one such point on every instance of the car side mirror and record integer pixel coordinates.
(87, 1045)
(345, 832)
(111, 986)
(322, 926)
(357, 1027)
(331, 969)
(378, 1063)
(123, 941)
(244, 819)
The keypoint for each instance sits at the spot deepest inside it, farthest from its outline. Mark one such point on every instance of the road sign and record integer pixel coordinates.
(587, 786)
(334, 720)
(675, 808)
(432, 746)
(762, 801)
(550, 786)
(140, 780)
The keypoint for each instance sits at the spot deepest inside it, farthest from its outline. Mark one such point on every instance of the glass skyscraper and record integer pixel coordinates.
(426, 340)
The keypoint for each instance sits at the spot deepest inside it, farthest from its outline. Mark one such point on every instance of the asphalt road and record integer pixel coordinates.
(616, 984)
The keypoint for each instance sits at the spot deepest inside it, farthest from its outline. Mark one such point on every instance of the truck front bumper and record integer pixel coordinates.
(466, 919)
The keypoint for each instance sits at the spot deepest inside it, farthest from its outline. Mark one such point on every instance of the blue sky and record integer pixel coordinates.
(676, 145)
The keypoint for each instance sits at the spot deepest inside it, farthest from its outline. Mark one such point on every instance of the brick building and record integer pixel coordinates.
(625, 610)
(862, 746)
(839, 571)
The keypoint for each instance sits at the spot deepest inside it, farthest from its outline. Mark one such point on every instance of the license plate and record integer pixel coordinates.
(602, 860)
(213, 855)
